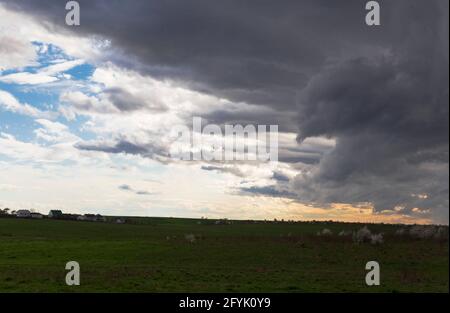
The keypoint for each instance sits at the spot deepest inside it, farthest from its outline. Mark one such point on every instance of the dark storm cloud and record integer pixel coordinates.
(222, 169)
(125, 187)
(381, 92)
(295, 155)
(124, 146)
(137, 192)
(121, 146)
(280, 177)
(257, 51)
(124, 101)
(389, 114)
(286, 121)
(271, 191)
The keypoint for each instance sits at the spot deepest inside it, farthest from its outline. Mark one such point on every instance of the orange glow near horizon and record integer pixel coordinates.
(341, 212)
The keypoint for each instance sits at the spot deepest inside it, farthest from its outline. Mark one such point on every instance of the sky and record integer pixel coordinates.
(87, 112)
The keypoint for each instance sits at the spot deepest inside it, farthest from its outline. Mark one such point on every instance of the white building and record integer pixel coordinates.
(23, 213)
(37, 215)
(55, 214)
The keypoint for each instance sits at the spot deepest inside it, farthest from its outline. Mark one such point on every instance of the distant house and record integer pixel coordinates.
(55, 214)
(70, 217)
(222, 222)
(100, 218)
(23, 213)
(92, 218)
(120, 221)
(36, 215)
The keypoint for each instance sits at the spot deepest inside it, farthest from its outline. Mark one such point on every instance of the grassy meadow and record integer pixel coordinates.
(153, 255)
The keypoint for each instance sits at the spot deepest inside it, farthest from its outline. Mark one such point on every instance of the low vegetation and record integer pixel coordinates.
(193, 255)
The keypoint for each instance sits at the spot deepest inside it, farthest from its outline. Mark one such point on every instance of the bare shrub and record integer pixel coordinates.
(401, 232)
(325, 232)
(190, 238)
(428, 232)
(362, 235)
(441, 233)
(422, 231)
(344, 233)
(376, 239)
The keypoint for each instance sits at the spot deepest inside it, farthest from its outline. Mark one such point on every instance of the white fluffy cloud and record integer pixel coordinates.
(9, 103)
(18, 31)
(44, 75)
(14, 52)
(54, 132)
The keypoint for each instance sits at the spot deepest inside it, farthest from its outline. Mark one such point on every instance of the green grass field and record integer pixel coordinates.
(152, 255)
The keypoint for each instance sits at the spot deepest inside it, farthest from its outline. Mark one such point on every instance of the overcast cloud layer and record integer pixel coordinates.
(313, 67)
